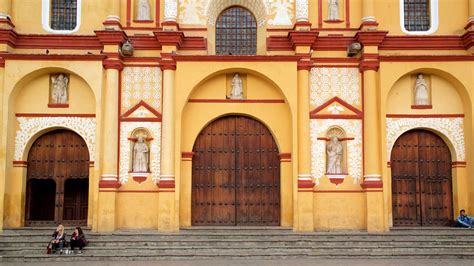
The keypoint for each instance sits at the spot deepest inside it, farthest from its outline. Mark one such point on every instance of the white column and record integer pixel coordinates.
(302, 10)
(171, 10)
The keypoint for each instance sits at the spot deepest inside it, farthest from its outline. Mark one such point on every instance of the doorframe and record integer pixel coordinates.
(286, 165)
(454, 173)
(23, 168)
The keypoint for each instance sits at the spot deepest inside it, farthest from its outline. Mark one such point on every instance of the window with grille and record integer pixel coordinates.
(417, 14)
(63, 14)
(236, 32)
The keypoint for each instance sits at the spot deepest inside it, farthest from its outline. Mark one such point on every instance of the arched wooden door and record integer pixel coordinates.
(236, 174)
(57, 180)
(421, 180)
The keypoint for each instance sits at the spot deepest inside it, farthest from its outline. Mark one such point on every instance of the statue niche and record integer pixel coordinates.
(59, 89)
(333, 10)
(143, 10)
(140, 159)
(336, 152)
(421, 91)
(237, 88)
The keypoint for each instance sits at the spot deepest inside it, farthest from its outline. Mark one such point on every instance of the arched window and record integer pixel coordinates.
(419, 16)
(236, 32)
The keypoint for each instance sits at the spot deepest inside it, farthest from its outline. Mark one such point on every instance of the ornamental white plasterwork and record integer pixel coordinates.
(353, 128)
(171, 10)
(282, 11)
(326, 83)
(302, 10)
(451, 128)
(126, 129)
(30, 126)
(258, 7)
(141, 83)
(191, 12)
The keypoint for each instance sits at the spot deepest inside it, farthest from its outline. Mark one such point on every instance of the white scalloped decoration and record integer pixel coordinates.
(141, 83)
(353, 128)
(451, 128)
(30, 126)
(328, 82)
(126, 128)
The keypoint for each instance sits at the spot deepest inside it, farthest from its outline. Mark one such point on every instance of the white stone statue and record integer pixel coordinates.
(140, 156)
(191, 12)
(333, 9)
(237, 91)
(59, 90)
(282, 13)
(143, 10)
(334, 151)
(421, 91)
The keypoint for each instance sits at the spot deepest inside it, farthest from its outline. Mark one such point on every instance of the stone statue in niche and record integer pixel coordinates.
(334, 152)
(421, 91)
(143, 10)
(333, 9)
(237, 91)
(59, 89)
(140, 156)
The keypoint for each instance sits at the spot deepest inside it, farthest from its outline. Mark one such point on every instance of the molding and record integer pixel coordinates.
(58, 105)
(305, 183)
(433, 17)
(314, 114)
(46, 16)
(458, 164)
(236, 101)
(372, 184)
(157, 118)
(346, 191)
(443, 42)
(370, 38)
(53, 57)
(302, 38)
(426, 106)
(166, 183)
(285, 157)
(237, 58)
(424, 115)
(426, 58)
(52, 115)
(109, 184)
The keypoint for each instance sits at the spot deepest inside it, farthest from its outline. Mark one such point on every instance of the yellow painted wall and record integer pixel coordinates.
(276, 116)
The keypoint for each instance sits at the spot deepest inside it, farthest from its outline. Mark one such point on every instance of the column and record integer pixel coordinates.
(5, 9)
(171, 10)
(368, 11)
(113, 11)
(168, 216)
(304, 217)
(3, 150)
(302, 11)
(372, 154)
(471, 11)
(109, 153)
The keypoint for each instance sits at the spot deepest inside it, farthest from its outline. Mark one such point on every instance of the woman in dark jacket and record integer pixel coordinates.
(78, 239)
(58, 240)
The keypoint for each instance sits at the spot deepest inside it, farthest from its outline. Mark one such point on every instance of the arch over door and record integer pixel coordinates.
(61, 157)
(236, 174)
(421, 180)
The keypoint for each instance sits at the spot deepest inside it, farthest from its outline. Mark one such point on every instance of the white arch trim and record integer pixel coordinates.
(31, 126)
(451, 128)
(258, 7)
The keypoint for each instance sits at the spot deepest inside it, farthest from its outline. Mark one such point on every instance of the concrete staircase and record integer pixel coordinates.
(29, 244)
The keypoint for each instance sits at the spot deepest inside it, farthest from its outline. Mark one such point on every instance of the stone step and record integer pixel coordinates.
(212, 255)
(272, 248)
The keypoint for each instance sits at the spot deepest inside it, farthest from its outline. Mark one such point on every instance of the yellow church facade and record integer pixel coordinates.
(306, 114)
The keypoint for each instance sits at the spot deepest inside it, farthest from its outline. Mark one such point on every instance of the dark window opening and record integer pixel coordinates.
(63, 14)
(417, 15)
(236, 32)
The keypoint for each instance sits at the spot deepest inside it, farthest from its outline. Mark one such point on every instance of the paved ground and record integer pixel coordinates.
(286, 262)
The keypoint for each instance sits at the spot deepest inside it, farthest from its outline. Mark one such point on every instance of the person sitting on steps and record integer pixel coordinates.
(464, 220)
(78, 239)
(58, 240)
